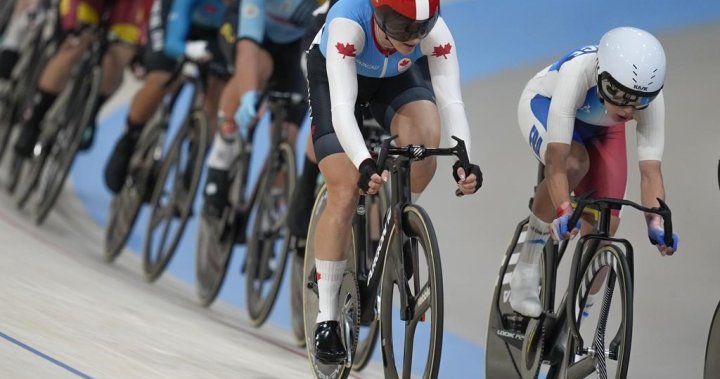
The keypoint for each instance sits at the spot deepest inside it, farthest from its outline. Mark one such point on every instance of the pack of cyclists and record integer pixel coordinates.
(354, 54)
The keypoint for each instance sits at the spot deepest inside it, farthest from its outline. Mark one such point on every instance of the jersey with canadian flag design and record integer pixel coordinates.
(350, 46)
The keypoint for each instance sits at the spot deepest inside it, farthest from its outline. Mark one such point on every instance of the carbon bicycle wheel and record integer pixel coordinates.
(604, 348)
(174, 194)
(125, 206)
(423, 327)
(6, 12)
(368, 334)
(712, 352)
(269, 242)
(216, 239)
(67, 142)
(350, 316)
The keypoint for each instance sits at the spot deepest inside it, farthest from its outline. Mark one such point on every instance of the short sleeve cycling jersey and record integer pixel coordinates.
(207, 14)
(281, 21)
(571, 84)
(349, 44)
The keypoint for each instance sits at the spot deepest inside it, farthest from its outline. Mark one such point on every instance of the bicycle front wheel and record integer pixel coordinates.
(174, 194)
(712, 364)
(269, 243)
(604, 347)
(421, 328)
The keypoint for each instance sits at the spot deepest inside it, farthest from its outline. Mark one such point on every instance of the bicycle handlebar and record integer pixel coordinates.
(419, 152)
(663, 211)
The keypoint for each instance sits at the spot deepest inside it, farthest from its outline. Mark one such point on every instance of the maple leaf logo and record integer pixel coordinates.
(346, 49)
(442, 51)
(404, 62)
(317, 276)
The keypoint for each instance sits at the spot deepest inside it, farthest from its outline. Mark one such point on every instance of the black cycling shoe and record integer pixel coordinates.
(329, 348)
(25, 143)
(88, 137)
(216, 192)
(116, 169)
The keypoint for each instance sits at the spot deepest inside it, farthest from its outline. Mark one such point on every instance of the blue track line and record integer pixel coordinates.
(45, 356)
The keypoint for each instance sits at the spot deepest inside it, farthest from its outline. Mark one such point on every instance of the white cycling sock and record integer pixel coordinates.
(525, 281)
(329, 278)
(222, 152)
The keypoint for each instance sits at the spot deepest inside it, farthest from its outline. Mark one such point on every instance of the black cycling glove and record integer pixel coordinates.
(474, 169)
(367, 169)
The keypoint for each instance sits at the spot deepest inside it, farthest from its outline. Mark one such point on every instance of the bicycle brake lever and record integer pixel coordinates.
(667, 222)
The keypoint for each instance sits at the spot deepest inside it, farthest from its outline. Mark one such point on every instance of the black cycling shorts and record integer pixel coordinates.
(383, 97)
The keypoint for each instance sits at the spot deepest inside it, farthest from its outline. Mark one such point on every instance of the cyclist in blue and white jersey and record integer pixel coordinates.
(366, 53)
(268, 51)
(573, 114)
(177, 29)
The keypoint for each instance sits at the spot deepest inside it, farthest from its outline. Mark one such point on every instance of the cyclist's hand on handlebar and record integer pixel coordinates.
(656, 233)
(468, 184)
(559, 229)
(197, 51)
(370, 181)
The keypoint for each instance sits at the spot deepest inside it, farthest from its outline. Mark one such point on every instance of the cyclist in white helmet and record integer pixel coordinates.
(573, 114)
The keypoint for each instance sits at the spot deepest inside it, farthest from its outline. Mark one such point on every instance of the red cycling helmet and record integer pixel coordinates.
(405, 20)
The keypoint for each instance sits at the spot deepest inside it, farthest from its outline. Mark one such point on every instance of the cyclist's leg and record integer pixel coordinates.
(146, 100)
(304, 197)
(532, 116)
(406, 108)
(608, 155)
(224, 146)
(126, 23)
(333, 228)
(56, 73)
(13, 37)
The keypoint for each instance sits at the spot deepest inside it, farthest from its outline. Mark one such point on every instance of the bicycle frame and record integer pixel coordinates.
(399, 168)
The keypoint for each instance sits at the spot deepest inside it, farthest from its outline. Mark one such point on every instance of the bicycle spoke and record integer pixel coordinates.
(423, 304)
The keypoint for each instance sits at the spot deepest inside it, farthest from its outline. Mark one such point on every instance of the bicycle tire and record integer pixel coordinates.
(6, 12)
(296, 307)
(23, 83)
(712, 351)
(66, 143)
(417, 226)
(195, 128)
(366, 345)
(125, 206)
(310, 299)
(260, 254)
(572, 366)
(216, 239)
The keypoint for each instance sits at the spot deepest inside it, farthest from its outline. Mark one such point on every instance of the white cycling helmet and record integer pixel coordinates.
(630, 67)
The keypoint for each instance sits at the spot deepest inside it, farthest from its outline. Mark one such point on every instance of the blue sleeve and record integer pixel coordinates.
(252, 20)
(177, 27)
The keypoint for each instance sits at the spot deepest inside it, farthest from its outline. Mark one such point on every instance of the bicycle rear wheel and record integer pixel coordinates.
(348, 298)
(174, 194)
(423, 326)
(269, 243)
(712, 364)
(593, 355)
(216, 239)
(125, 206)
(67, 142)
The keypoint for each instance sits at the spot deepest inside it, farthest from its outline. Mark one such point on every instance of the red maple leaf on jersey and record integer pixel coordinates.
(404, 62)
(442, 51)
(346, 49)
